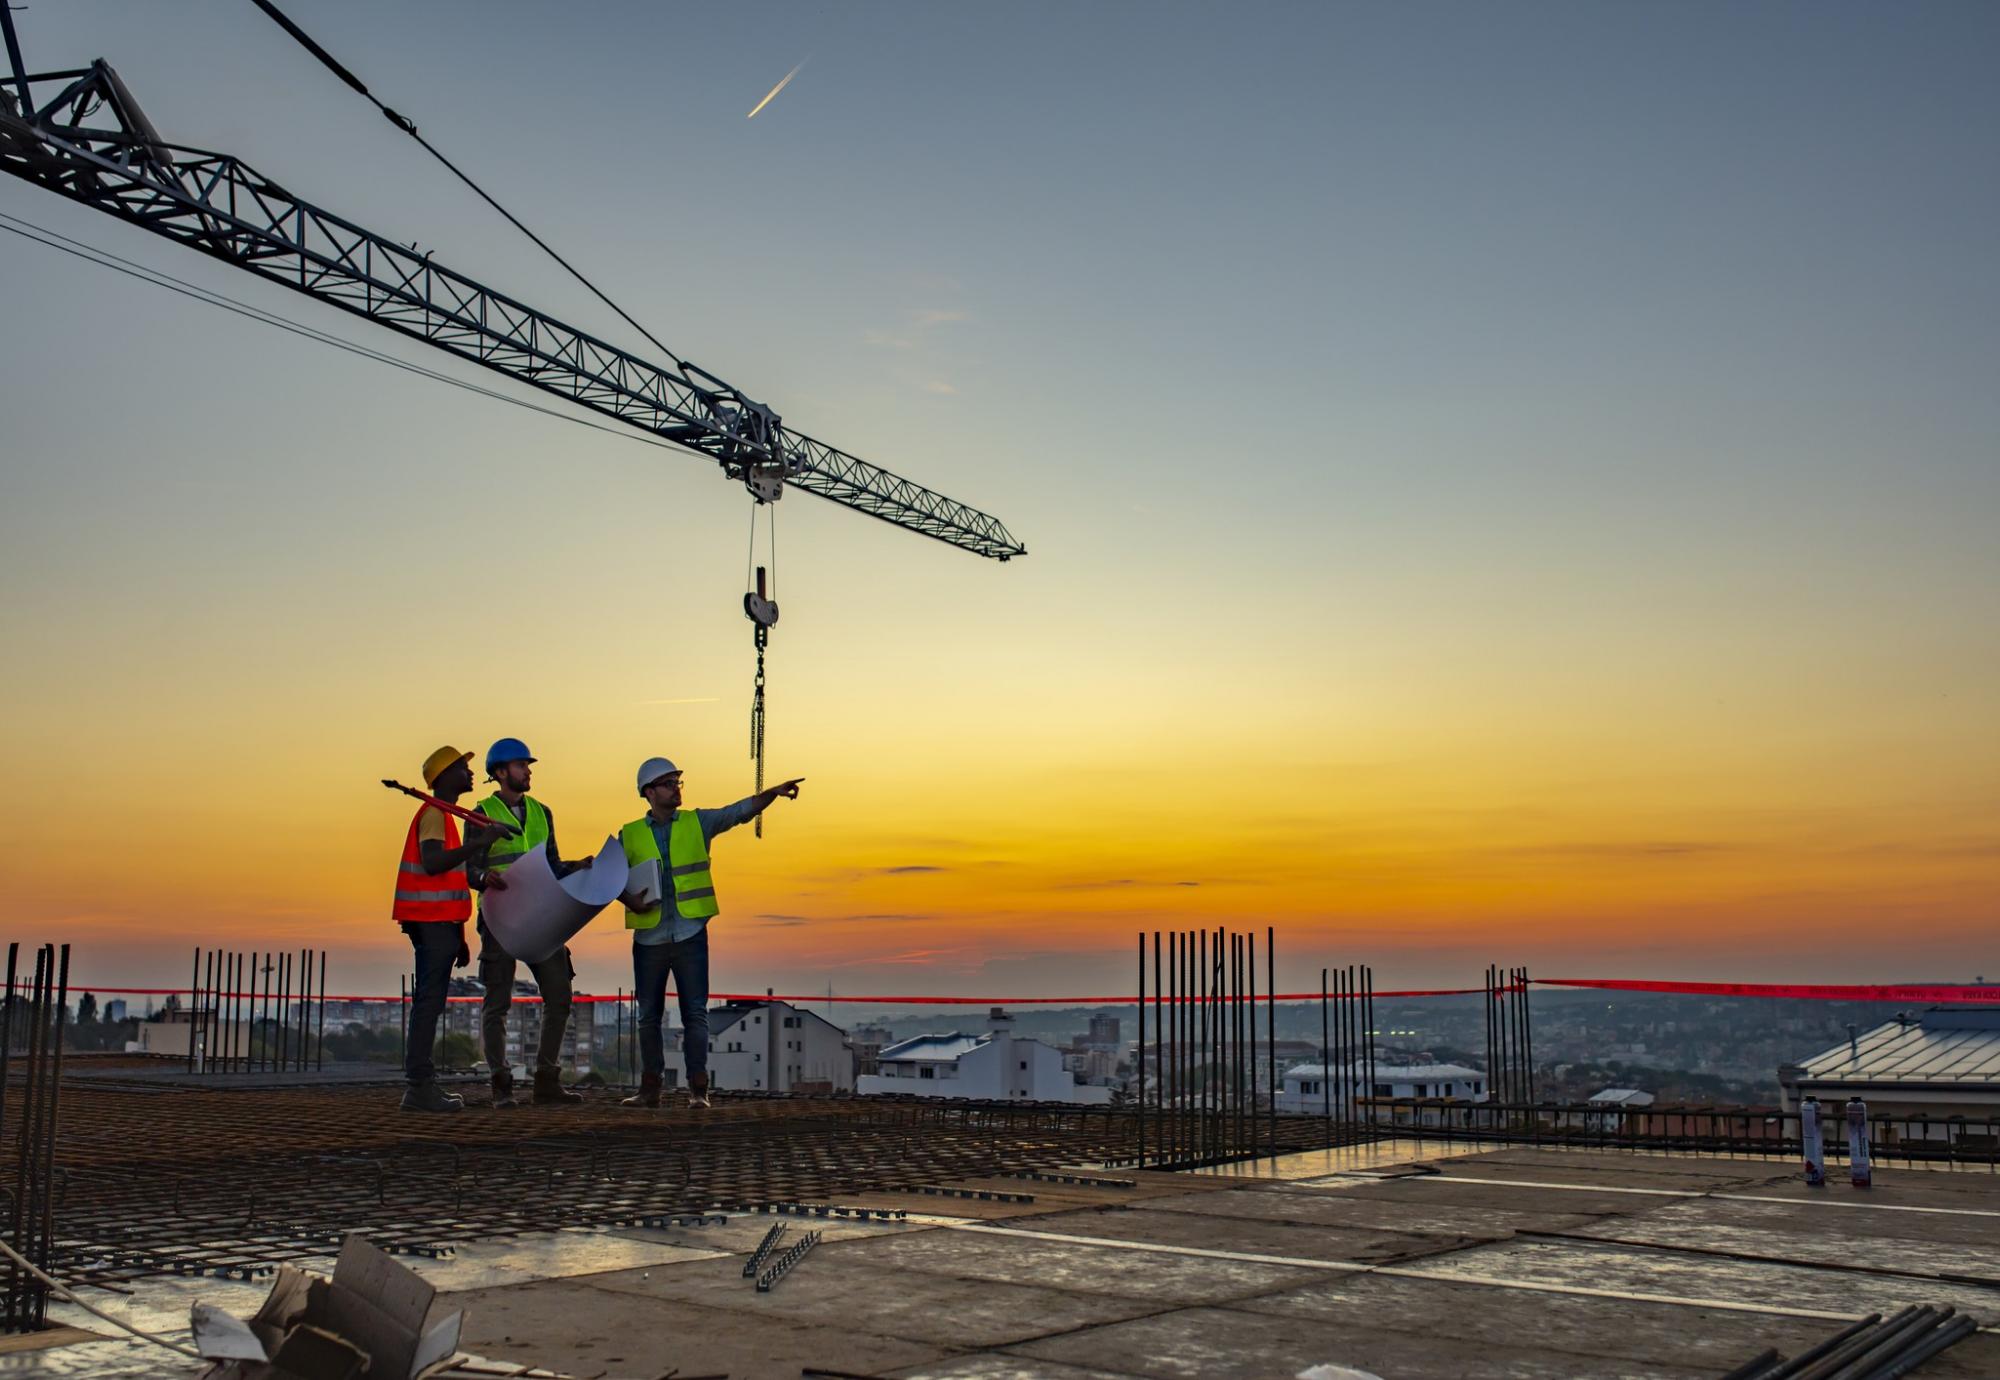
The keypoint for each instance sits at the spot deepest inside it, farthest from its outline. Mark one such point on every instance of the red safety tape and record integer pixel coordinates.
(804, 998)
(1985, 994)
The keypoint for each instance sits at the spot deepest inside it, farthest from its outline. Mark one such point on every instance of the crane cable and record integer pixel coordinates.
(409, 127)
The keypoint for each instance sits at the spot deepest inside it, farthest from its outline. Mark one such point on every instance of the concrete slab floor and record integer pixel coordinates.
(1156, 1291)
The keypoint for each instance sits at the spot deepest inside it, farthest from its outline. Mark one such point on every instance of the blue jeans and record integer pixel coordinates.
(687, 961)
(436, 944)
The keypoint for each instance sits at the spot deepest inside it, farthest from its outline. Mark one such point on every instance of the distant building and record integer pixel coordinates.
(773, 1046)
(1104, 1033)
(114, 1010)
(172, 1032)
(524, 1030)
(1941, 1063)
(1617, 1105)
(867, 1042)
(1315, 1087)
(997, 1066)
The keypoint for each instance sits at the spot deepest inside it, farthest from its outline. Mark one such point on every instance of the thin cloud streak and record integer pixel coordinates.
(775, 90)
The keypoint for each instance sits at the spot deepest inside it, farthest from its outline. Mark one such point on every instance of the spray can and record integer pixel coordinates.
(1814, 1141)
(1857, 1143)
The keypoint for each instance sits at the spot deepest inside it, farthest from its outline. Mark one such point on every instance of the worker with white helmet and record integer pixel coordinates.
(669, 924)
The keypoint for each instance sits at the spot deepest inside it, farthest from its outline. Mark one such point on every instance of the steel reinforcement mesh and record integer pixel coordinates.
(175, 1180)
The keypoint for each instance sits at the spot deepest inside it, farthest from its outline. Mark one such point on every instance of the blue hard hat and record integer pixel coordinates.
(505, 751)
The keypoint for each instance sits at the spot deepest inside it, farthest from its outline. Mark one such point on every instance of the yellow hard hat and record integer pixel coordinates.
(441, 761)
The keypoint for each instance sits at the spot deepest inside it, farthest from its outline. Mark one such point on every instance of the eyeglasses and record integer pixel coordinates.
(662, 783)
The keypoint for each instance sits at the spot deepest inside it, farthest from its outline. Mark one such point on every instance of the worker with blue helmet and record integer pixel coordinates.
(509, 766)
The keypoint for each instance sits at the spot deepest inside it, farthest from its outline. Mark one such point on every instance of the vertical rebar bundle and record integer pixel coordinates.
(34, 1017)
(1510, 1047)
(1347, 1050)
(257, 1012)
(1208, 1076)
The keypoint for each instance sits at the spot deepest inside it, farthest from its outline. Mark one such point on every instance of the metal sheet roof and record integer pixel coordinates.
(1948, 1048)
(939, 1048)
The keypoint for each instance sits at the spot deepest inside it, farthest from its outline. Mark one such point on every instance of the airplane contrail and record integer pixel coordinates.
(774, 91)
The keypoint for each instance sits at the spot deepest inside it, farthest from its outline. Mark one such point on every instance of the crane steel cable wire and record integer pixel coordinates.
(104, 258)
(409, 127)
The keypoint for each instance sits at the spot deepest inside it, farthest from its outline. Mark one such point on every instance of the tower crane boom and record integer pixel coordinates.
(226, 209)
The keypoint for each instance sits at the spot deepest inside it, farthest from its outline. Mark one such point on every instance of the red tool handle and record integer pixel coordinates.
(473, 816)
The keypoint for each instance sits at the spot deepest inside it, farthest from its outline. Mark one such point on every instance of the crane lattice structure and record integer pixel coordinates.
(226, 209)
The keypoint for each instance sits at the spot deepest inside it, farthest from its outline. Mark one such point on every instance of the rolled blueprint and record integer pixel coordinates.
(539, 912)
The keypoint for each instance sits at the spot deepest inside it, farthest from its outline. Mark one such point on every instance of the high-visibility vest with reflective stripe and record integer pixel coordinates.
(685, 868)
(534, 831)
(446, 897)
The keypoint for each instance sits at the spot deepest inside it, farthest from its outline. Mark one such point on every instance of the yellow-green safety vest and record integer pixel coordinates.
(507, 851)
(686, 867)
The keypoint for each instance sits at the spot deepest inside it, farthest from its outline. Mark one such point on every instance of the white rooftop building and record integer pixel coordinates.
(1940, 1063)
(998, 1066)
(1314, 1088)
(777, 1047)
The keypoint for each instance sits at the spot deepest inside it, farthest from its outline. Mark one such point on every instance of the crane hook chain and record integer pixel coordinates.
(763, 634)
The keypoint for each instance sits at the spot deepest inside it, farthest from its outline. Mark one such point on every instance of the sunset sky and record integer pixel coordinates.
(1502, 483)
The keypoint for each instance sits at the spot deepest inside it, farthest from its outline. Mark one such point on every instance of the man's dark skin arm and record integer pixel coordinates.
(438, 859)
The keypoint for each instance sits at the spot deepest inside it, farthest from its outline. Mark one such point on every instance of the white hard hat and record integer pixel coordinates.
(653, 768)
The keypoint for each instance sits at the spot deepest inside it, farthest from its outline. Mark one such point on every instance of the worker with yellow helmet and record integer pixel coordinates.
(432, 903)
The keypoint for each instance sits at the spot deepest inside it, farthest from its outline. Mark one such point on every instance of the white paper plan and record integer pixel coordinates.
(539, 912)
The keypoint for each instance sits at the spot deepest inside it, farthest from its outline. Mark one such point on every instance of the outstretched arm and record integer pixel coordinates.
(721, 821)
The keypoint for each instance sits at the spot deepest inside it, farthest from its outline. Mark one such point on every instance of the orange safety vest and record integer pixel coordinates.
(446, 897)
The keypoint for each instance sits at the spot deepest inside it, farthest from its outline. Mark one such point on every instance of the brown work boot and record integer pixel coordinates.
(698, 1091)
(549, 1088)
(503, 1090)
(648, 1094)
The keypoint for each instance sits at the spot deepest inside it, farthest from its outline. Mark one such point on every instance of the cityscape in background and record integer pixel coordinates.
(1670, 1049)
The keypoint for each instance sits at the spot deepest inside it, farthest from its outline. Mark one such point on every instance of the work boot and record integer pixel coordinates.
(549, 1088)
(429, 1097)
(698, 1091)
(648, 1094)
(503, 1090)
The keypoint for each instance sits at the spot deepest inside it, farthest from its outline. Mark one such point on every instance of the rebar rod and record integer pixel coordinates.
(1250, 995)
(319, 1053)
(1204, 1130)
(1271, 1022)
(1368, 1033)
(1160, 1044)
(1325, 1059)
(1139, 1050)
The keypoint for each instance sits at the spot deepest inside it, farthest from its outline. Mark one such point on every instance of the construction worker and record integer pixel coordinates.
(508, 764)
(670, 935)
(433, 902)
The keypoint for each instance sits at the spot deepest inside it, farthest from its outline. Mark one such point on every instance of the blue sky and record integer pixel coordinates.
(1551, 403)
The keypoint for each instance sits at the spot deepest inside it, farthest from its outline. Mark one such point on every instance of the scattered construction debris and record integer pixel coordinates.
(369, 1318)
